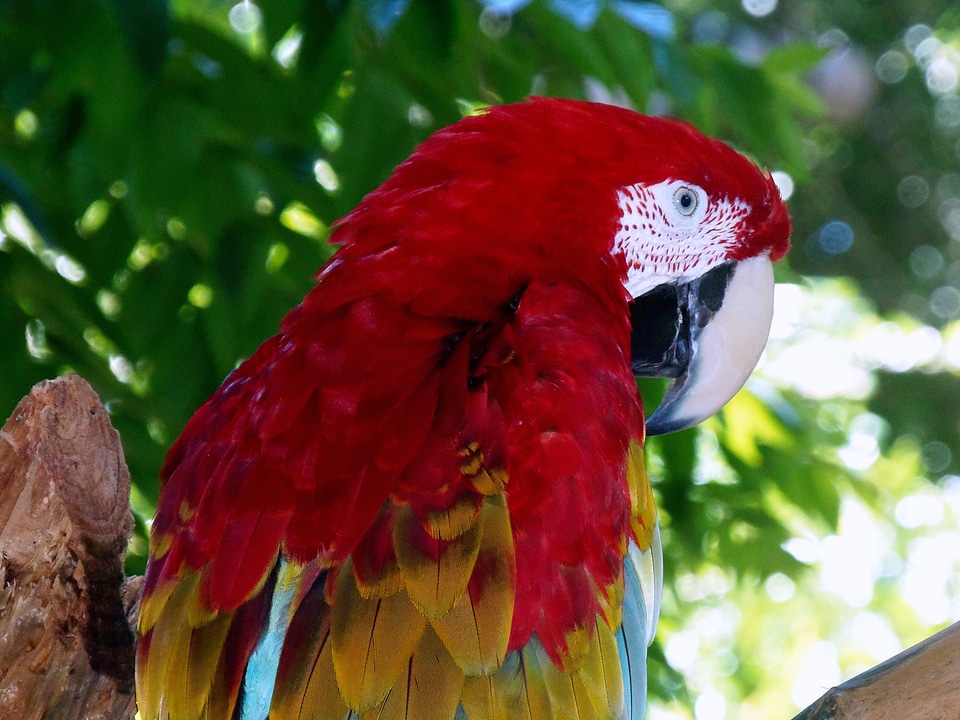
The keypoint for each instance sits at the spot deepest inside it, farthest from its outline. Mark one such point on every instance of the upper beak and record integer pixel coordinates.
(707, 334)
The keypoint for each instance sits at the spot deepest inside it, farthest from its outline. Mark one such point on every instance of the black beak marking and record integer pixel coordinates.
(657, 342)
(666, 320)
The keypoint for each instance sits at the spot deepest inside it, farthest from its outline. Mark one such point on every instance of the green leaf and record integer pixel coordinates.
(797, 57)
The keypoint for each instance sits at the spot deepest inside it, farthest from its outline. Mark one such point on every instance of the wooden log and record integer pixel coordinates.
(66, 643)
(921, 683)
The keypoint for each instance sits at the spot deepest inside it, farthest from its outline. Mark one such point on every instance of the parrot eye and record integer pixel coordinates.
(685, 200)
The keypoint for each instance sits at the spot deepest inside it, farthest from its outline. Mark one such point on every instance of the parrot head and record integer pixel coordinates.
(577, 192)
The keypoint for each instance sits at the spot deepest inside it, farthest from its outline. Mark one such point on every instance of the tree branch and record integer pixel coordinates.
(66, 643)
(921, 683)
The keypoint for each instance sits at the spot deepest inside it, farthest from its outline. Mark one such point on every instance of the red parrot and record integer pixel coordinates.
(425, 497)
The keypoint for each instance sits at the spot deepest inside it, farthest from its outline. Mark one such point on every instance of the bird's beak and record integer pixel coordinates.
(707, 334)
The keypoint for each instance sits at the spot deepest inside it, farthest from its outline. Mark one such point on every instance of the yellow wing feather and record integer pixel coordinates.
(429, 689)
(372, 640)
(477, 629)
(644, 516)
(192, 667)
(434, 584)
(167, 611)
(457, 519)
(322, 697)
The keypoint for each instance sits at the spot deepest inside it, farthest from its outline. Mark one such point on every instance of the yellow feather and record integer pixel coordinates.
(322, 699)
(428, 689)
(152, 605)
(389, 582)
(556, 684)
(221, 700)
(578, 642)
(371, 640)
(641, 496)
(377, 576)
(457, 519)
(436, 682)
(178, 669)
(612, 671)
(504, 695)
(530, 686)
(611, 602)
(434, 585)
(487, 481)
(148, 692)
(589, 685)
(168, 631)
(477, 629)
(535, 694)
(198, 612)
(192, 667)
(183, 653)
(160, 544)
(394, 706)
(479, 699)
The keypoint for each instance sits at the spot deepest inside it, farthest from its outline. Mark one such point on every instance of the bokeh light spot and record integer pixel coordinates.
(200, 296)
(836, 237)
(914, 511)
(710, 705)
(759, 8)
(926, 262)
(245, 18)
(494, 24)
(945, 302)
(892, 67)
(915, 35)
(326, 176)
(25, 124)
(913, 191)
(947, 112)
(779, 587)
(784, 183)
(936, 457)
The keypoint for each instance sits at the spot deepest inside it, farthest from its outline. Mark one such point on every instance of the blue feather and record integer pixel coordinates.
(632, 639)
(261, 672)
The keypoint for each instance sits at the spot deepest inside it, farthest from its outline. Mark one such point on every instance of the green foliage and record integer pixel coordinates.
(167, 182)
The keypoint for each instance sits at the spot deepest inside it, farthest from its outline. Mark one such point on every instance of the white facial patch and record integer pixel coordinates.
(673, 231)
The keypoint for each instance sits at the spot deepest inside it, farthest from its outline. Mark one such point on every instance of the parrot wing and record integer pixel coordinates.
(337, 531)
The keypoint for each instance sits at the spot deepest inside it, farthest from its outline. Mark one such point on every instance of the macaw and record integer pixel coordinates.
(425, 497)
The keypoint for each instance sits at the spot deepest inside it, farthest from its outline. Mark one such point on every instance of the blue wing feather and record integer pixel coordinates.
(261, 672)
(632, 646)
(643, 584)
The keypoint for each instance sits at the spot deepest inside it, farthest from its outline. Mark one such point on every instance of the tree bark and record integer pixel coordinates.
(66, 642)
(921, 683)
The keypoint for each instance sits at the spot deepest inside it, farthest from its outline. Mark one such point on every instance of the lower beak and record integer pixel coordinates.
(707, 334)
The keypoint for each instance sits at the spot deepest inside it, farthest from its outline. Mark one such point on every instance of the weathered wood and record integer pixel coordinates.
(921, 683)
(66, 645)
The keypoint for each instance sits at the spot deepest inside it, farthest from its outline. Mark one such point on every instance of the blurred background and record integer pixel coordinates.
(169, 171)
